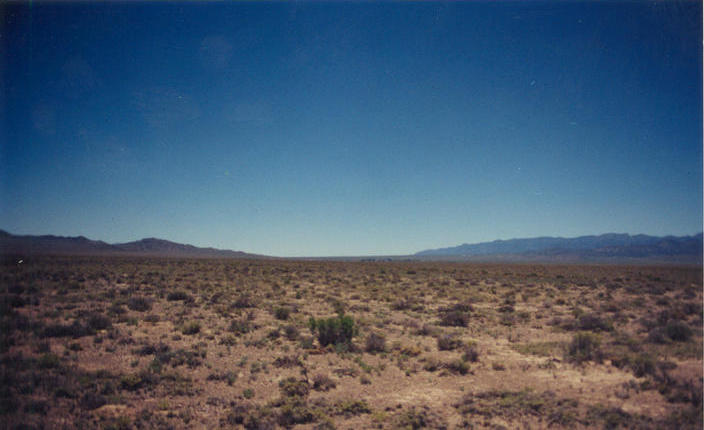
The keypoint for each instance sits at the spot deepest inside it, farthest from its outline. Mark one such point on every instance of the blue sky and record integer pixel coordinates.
(309, 129)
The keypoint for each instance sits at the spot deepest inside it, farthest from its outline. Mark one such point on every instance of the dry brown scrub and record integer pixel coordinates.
(160, 343)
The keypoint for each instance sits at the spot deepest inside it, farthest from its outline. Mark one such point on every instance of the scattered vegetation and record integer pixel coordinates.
(337, 330)
(169, 343)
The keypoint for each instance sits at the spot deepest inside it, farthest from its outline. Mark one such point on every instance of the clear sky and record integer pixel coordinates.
(308, 129)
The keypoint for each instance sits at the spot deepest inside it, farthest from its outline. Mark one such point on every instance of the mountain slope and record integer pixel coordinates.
(60, 245)
(605, 245)
(161, 246)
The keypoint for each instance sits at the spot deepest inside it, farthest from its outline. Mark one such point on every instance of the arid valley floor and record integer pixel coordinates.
(120, 343)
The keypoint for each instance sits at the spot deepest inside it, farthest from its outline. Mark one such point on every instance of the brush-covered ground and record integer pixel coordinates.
(122, 343)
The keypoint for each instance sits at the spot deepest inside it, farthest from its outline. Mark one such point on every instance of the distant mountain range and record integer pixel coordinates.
(59, 245)
(605, 246)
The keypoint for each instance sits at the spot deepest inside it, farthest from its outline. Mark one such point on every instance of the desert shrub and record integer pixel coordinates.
(36, 407)
(306, 342)
(642, 364)
(229, 377)
(456, 315)
(678, 331)
(498, 366)
(673, 330)
(239, 327)
(49, 361)
(507, 319)
(410, 350)
(116, 309)
(178, 295)
(191, 358)
(471, 353)
(511, 405)
(14, 301)
(323, 382)
(75, 330)
(431, 364)
(419, 418)
(96, 321)
(337, 330)
(288, 361)
(690, 308)
(593, 322)
(228, 340)
(291, 332)
(457, 366)
(448, 342)
(375, 343)
(282, 313)
(153, 349)
(402, 304)
(613, 418)
(454, 318)
(152, 318)
(252, 417)
(273, 334)
(350, 408)
(337, 305)
(291, 387)
(192, 327)
(428, 330)
(507, 308)
(139, 304)
(294, 411)
(142, 379)
(91, 400)
(244, 301)
(584, 347)
(658, 335)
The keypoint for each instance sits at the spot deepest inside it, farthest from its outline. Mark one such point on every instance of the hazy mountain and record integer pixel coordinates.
(160, 246)
(60, 245)
(602, 246)
(605, 247)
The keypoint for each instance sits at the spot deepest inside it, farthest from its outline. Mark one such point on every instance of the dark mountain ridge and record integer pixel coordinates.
(609, 247)
(80, 245)
(601, 246)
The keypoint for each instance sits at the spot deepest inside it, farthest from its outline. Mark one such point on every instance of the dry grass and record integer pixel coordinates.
(160, 343)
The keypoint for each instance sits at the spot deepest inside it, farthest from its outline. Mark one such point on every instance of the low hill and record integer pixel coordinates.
(605, 246)
(61, 245)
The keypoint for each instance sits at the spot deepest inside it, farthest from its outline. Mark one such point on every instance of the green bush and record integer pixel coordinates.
(337, 330)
